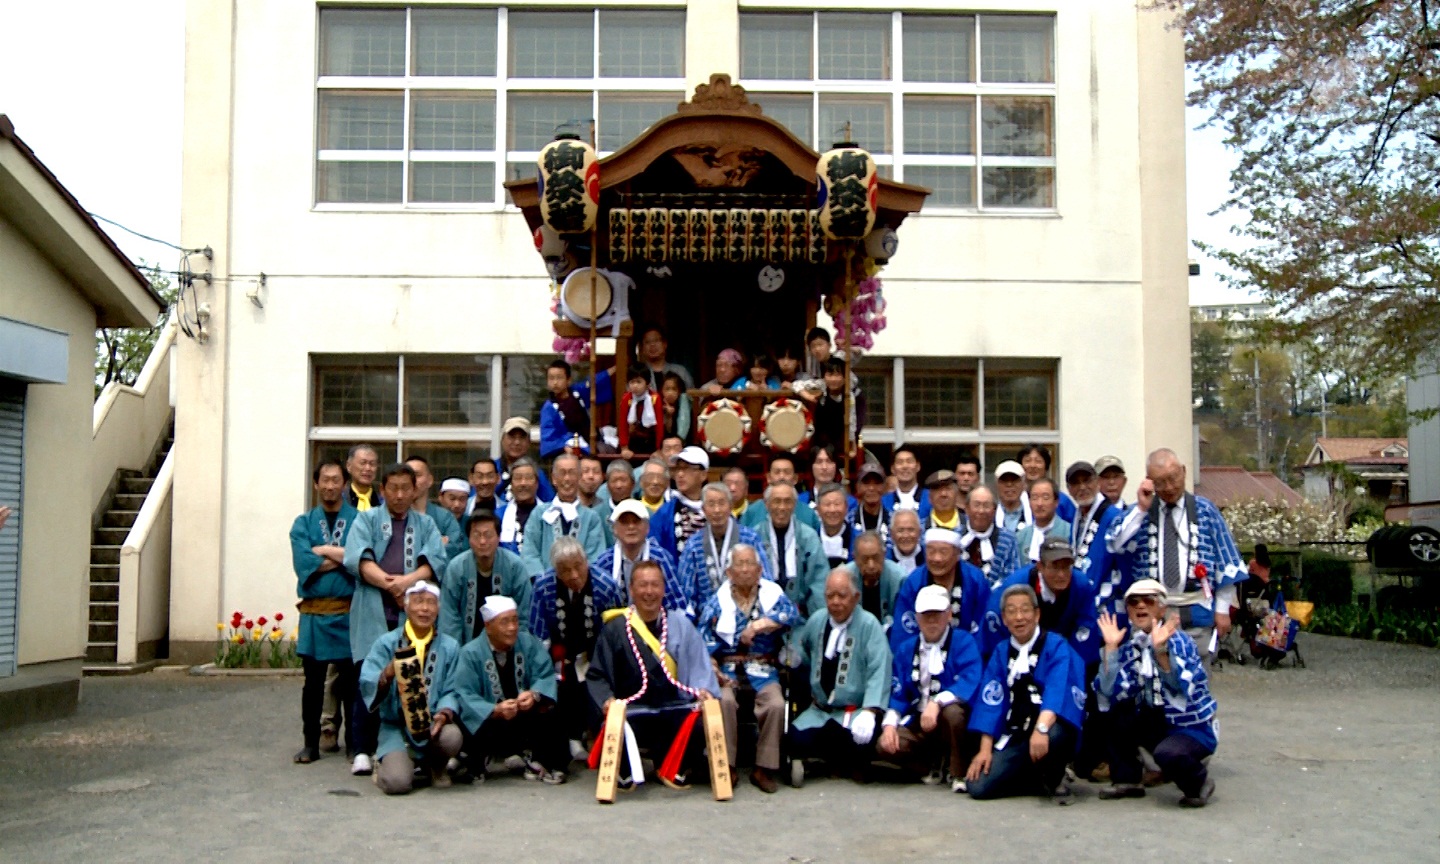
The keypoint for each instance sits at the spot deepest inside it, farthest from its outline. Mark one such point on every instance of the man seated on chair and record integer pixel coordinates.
(1154, 689)
(437, 654)
(744, 626)
(1032, 699)
(505, 684)
(849, 664)
(932, 682)
(654, 660)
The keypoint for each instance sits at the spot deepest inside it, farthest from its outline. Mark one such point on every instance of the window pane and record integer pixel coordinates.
(949, 186)
(534, 117)
(525, 386)
(875, 384)
(795, 113)
(449, 459)
(940, 124)
(939, 399)
(855, 47)
(552, 45)
(454, 41)
(1019, 187)
(1017, 126)
(364, 395)
(775, 46)
(939, 48)
(358, 182)
(452, 182)
(448, 391)
(623, 116)
(453, 121)
(354, 121)
(647, 44)
(368, 42)
(520, 169)
(1017, 49)
(868, 116)
(1020, 401)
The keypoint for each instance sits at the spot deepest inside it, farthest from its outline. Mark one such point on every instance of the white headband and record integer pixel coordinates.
(495, 606)
(942, 535)
(423, 587)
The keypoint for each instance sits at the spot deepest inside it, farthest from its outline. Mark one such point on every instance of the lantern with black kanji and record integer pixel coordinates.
(846, 187)
(569, 179)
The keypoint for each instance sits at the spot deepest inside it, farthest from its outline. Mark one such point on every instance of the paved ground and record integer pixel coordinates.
(1334, 762)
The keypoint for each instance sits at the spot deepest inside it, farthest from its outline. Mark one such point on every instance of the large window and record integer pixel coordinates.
(436, 108)
(439, 406)
(946, 406)
(963, 104)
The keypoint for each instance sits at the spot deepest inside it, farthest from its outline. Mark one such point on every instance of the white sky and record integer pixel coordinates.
(95, 87)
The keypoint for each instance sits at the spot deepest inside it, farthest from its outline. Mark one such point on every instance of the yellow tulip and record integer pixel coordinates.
(237, 638)
(220, 626)
(256, 633)
(294, 634)
(275, 635)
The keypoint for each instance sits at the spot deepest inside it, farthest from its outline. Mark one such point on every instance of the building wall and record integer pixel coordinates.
(1098, 284)
(55, 545)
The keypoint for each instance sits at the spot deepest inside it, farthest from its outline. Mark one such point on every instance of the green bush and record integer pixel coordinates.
(1326, 580)
(1418, 627)
(1366, 511)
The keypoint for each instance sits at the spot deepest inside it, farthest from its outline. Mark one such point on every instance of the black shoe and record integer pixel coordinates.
(1203, 798)
(1062, 795)
(307, 754)
(1121, 790)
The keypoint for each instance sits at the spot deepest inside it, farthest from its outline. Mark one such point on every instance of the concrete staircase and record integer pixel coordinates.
(131, 487)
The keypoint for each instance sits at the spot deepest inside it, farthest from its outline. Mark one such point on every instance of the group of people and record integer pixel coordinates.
(998, 642)
(656, 405)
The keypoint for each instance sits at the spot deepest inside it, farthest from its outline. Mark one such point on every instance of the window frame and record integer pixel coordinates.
(500, 86)
(896, 88)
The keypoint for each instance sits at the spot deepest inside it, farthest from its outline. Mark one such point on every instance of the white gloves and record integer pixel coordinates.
(862, 728)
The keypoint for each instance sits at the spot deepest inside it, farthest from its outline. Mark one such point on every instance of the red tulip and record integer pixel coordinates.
(249, 624)
(263, 621)
(279, 617)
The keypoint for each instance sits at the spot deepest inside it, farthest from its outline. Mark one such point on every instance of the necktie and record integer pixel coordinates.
(1171, 556)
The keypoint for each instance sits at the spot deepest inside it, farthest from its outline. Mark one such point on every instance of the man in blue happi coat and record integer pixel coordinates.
(1154, 690)
(482, 570)
(505, 684)
(1067, 602)
(452, 541)
(630, 523)
(325, 587)
(399, 748)
(986, 544)
(1029, 709)
(932, 683)
(390, 548)
(744, 626)
(793, 547)
(1180, 540)
(561, 516)
(702, 562)
(876, 578)
(968, 590)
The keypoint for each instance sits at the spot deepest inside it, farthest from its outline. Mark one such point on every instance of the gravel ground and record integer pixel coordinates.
(1337, 761)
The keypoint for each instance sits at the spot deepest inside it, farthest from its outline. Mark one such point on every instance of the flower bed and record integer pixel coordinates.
(245, 643)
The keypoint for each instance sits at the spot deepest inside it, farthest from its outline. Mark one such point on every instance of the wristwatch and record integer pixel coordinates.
(1042, 728)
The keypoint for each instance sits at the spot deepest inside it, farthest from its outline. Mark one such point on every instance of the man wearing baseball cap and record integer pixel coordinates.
(945, 510)
(1153, 687)
(1111, 473)
(630, 520)
(515, 445)
(1014, 511)
(681, 516)
(934, 676)
(1067, 602)
(871, 514)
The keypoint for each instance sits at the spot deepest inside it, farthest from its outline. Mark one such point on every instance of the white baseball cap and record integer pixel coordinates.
(932, 598)
(631, 506)
(692, 455)
(1009, 466)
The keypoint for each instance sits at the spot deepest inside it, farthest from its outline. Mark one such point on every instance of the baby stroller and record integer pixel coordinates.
(1275, 637)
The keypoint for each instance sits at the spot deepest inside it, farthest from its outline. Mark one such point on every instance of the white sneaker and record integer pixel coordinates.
(932, 779)
(959, 785)
(578, 751)
(515, 763)
(362, 766)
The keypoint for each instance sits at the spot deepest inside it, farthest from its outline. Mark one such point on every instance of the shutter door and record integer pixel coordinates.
(12, 429)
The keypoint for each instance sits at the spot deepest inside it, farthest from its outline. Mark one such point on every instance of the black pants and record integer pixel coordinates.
(1179, 756)
(365, 722)
(577, 712)
(831, 744)
(1094, 739)
(312, 699)
(538, 731)
(1013, 772)
(656, 732)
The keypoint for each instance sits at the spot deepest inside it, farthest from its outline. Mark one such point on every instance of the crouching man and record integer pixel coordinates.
(1155, 692)
(934, 678)
(417, 713)
(505, 684)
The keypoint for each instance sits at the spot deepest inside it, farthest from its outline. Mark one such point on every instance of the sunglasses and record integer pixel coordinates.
(1142, 600)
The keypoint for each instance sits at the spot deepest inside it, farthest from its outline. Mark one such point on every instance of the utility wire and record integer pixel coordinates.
(138, 234)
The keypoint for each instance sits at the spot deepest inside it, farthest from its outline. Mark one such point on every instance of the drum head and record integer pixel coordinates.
(576, 294)
(724, 429)
(786, 428)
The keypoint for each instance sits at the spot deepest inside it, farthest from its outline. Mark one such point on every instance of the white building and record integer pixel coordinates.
(354, 155)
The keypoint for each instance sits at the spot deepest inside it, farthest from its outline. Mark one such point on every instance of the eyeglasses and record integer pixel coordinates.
(1142, 600)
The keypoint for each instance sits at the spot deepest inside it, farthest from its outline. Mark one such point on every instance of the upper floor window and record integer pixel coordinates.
(433, 107)
(963, 104)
